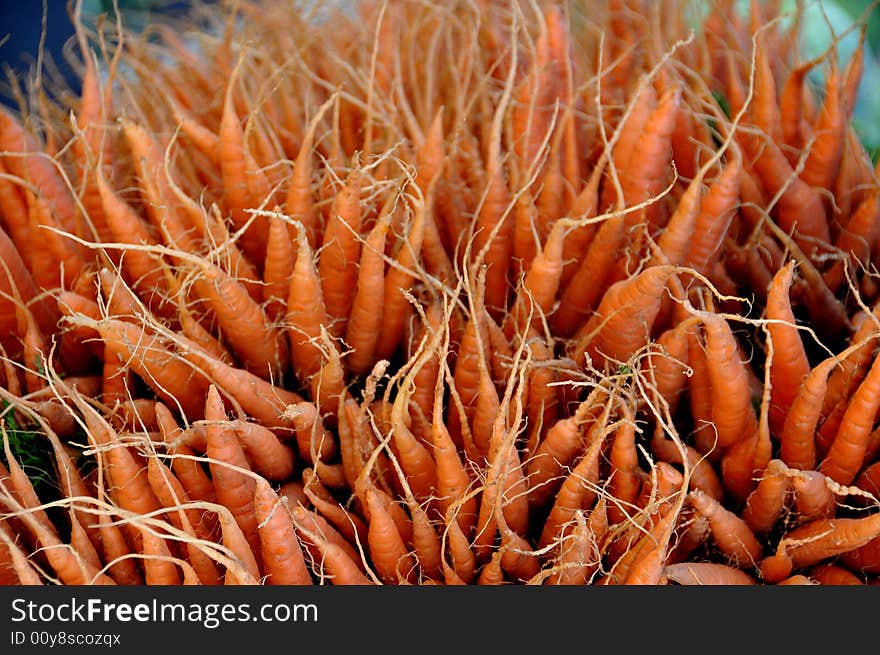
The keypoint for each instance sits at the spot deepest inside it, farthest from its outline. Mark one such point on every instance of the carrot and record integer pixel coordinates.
(395, 305)
(790, 365)
(813, 499)
(855, 241)
(280, 548)
(846, 455)
(230, 472)
(159, 569)
(705, 573)
(536, 295)
(577, 554)
(261, 400)
(277, 268)
(173, 380)
(832, 574)
(652, 152)
(244, 184)
(578, 489)
(829, 130)
(313, 440)
(625, 475)
(259, 346)
(453, 480)
(306, 312)
(388, 552)
(648, 565)
(731, 533)
(131, 488)
(195, 481)
(702, 474)
(822, 539)
(732, 413)
(612, 334)
(340, 253)
(315, 523)
(300, 202)
(365, 321)
(268, 456)
(334, 562)
(171, 494)
(24, 159)
(764, 506)
(349, 525)
(246, 570)
(797, 446)
(564, 441)
(668, 363)
(139, 267)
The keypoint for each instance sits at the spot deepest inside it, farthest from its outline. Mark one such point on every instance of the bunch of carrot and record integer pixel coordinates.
(455, 293)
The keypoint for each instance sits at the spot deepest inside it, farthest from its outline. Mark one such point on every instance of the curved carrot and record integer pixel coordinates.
(765, 504)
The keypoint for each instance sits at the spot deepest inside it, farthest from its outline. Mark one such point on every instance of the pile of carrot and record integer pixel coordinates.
(493, 292)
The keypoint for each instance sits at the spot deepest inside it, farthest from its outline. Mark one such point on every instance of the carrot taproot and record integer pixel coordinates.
(246, 568)
(365, 320)
(340, 252)
(730, 532)
(578, 489)
(845, 456)
(733, 416)
(349, 524)
(306, 312)
(702, 475)
(333, 563)
(171, 493)
(230, 472)
(314, 442)
(159, 569)
(260, 346)
(833, 574)
(764, 506)
(821, 539)
(270, 457)
(388, 553)
(300, 201)
(790, 365)
(829, 132)
(277, 268)
(621, 323)
(282, 554)
(564, 440)
(399, 278)
(813, 498)
(706, 573)
(244, 184)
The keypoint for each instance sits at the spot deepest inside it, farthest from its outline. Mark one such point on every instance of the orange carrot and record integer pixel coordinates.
(845, 457)
(306, 312)
(340, 253)
(790, 365)
(731, 533)
(230, 472)
(705, 573)
(765, 504)
(280, 548)
(619, 326)
(365, 322)
(269, 457)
